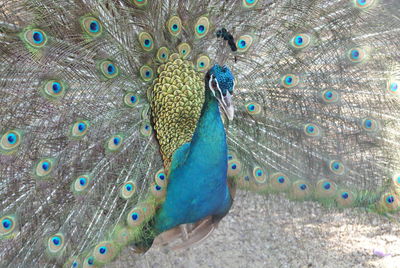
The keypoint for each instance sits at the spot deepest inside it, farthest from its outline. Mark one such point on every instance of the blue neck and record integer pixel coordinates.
(209, 137)
(197, 185)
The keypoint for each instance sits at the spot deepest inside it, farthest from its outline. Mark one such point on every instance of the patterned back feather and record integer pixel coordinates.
(96, 96)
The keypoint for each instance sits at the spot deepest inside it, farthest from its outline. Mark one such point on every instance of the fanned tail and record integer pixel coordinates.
(77, 152)
(318, 105)
(84, 137)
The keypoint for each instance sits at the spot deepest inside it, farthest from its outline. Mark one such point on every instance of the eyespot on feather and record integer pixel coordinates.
(337, 167)
(203, 63)
(370, 125)
(55, 244)
(108, 69)
(389, 202)
(290, 80)
(105, 252)
(10, 141)
(201, 27)
(312, 130)
(114, 143)
(300, 41)
(393, 87)
(279, 182)
(174, 25)
(146, 73)
(73, 262)
(253, 108)
(345, 198)
(163, 54)
(127, 190)
(44, 168)
(140, 3)
(330, 96)
(34, 37)
(234, 167)
(244, 43)
(91, 26)
(53, 89)
(364, 4)
(357, 54)
(301, 190)
(158, 191)
(260, 175)
(8, 225)
(135, 217)
(146, 129)
(160, 178)
(131, 99)
(249, 3)
(79, 129)
(146, 41)
(80, 184)
(325, 189)
(184, 50)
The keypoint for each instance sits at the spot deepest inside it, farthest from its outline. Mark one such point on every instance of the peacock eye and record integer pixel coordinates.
(79, 129)
(174, 25)
(140, 3)
(7, 225)
(357, 55)
(184, 50)
(80, 184)
(330, 96)
(108, 69)
(146, 73)
(244, 43)
(363, 4)
(201, 27)
(90, 261)
(203, 63)
(91, 26)
(104, 252)
(249, 3)
(55, 244)
(214, 84)
(10, 141)
(44, 167)
(114, 143)
(73, 262)
(146, 41)
(162, 54)
(300, 41)
(127, 190)
(253, 108)
(35, 38)
(393, 86)
(370, 124)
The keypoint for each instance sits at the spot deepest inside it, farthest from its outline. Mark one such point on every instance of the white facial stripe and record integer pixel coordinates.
(221, 96)
(224, 101)
(210, 85)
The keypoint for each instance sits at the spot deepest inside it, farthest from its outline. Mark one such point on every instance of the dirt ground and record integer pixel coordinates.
(273, 232)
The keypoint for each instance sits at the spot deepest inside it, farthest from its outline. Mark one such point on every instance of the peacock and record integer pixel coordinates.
(128, 125)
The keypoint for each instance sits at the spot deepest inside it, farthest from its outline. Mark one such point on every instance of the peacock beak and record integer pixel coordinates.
(227, 106)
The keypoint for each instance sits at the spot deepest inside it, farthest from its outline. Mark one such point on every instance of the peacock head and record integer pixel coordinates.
(220, 81)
